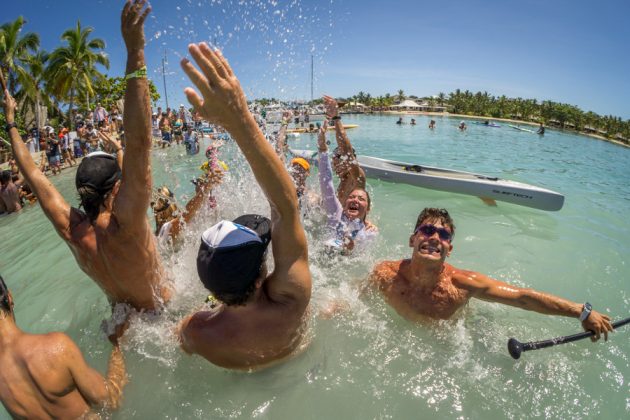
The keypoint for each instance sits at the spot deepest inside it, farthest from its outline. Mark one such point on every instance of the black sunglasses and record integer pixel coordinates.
(429, 230)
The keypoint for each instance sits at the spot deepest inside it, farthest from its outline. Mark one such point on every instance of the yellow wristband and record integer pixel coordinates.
(141, 73)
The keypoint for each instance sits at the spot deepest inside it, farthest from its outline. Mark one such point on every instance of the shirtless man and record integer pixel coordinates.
(344, 159)
(426, 286)
(9, 193)
(111, 240)
(45, 376)
(261, 318)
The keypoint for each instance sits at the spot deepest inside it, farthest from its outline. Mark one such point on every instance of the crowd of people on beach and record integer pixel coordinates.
(253, 318)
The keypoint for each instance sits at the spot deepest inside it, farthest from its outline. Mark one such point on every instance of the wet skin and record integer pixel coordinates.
(426, 286)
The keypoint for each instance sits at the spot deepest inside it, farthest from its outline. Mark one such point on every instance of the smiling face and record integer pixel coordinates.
(357, 205)
(429, 241)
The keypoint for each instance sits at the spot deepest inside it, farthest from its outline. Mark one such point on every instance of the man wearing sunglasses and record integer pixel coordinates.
(111, 238)
(426, 286)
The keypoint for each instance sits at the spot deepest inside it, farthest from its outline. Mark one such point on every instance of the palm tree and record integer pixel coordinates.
(441, 97)
(401, 95)
(72, 68)
(32, 87)
(13, 49)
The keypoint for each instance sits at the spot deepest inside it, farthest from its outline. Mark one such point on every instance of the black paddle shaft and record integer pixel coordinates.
(515, 347)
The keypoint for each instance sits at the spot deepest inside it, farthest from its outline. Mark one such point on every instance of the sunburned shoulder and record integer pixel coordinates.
(386, 271)
(51, 344)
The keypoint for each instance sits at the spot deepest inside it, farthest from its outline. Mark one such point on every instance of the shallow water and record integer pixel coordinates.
(367, 362)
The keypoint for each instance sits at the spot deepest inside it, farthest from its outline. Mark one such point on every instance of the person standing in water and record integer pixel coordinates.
(111, 239)
(344, 158)
(45, 375)
(425, 286)
(541, 129)
(347, 222)
(261, 318)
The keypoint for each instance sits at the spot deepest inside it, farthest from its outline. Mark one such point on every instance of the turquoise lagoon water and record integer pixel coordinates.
(367, 362)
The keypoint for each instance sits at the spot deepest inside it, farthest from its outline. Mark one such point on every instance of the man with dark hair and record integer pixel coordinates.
(426, 286)
(261, 318)
(9, 193)
(45, 375)
(112, 240)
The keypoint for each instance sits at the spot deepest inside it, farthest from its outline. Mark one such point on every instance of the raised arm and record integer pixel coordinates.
(332, 206)
(355, 176)
(281, 141)
(114, 145)
(224, 103)
(192, 207)
(53, 204)
(135, 190)
(486, 288)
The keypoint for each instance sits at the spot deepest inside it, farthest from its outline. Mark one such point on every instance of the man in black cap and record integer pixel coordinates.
(45, 375)
(260, 317)
(111, 238)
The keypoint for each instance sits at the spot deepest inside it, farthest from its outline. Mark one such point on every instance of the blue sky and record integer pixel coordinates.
(567, 51)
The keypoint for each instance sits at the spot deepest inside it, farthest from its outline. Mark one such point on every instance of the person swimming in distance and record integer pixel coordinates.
(462, 126)
(262, 318)
(400, 121)
(413, 122)
(541, 129)
(432, 125)
(46, 376)
(426, 286)
(346, 221)
(111, 239)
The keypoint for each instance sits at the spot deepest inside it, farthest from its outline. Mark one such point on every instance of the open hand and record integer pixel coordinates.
(332, 108)
(223, 100)
(132, 23)
(108, 140)
(599, 324)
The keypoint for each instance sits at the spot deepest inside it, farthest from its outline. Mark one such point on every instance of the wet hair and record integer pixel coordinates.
(5, 305)
(440, 215)
(236, 299)
(91, 201)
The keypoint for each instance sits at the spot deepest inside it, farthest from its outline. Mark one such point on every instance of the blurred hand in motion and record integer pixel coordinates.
(223, 100)
(132, 23)
(9, 106)
(332, 108)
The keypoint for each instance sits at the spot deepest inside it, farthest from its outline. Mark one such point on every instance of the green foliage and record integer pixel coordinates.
(108, 90)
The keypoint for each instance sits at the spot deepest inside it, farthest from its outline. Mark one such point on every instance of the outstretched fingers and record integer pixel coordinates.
(193, 98)
(226, 65)
(144, 15)
(208, 69)
(196, 77)
(213, 59)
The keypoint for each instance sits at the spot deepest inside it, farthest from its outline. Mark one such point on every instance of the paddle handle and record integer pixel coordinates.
(515, 347)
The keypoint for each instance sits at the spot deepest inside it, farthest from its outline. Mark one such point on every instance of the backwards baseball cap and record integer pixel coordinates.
(231, 255)
(98, 170)
(302, 162)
